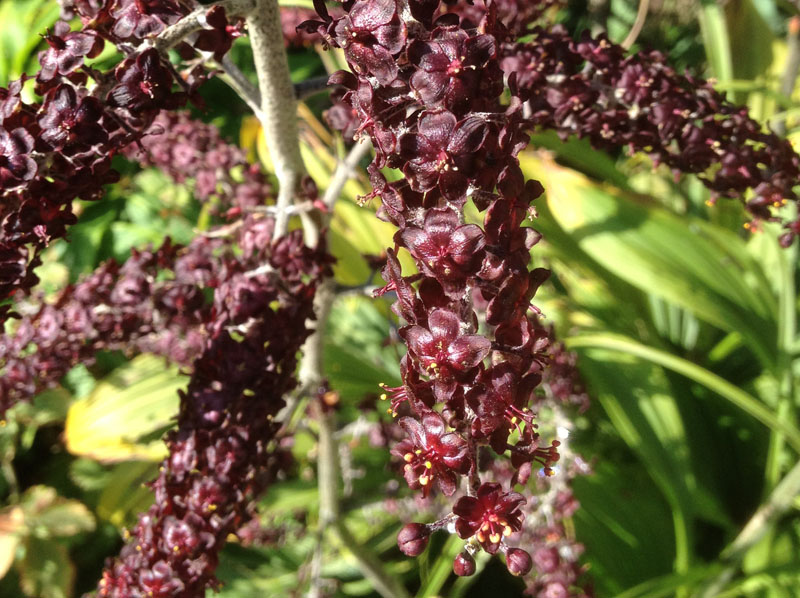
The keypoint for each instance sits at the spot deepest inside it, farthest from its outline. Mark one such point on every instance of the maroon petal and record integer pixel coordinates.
(444, 324)
(466, 352)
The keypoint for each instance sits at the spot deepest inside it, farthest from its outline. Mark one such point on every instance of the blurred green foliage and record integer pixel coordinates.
(686, 327)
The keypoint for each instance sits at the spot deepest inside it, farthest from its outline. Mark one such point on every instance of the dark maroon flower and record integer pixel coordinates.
(141, 18)
(445, 249)
(529, 449)
(370, 34)
(443, 353)
(413, 539)
(71, 124)
(67, 51)
(490, 516)
(144, 84)
(440, 153)
(431, 454)
(500, 404)
(452, 67)
(16, 166)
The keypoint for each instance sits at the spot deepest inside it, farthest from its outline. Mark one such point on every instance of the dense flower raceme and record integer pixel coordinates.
(60, 149)
(427, 90)
(543, 531)
(222, 452)
(429, 96)
(125, 306)
(116, 307)
(589, 88)
(187, 149)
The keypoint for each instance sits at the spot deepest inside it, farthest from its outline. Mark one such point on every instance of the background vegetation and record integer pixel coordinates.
(686, 327)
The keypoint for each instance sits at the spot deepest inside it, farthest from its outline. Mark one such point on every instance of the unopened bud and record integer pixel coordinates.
(464, 565)
(413, 539)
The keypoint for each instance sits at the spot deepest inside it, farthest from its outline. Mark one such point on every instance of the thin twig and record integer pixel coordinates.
(238, 81)
(638, 23)
(309, 87)
(344, 172)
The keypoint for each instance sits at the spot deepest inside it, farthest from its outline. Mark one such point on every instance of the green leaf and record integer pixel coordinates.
(88, 475)
(703, 268)
(125, 494)
(12, 530)
(625, 526)
(715, 39)
(66, 517)
(133, 402)
(442, 568)
(648, 420)
(46, 571)
(694, 372)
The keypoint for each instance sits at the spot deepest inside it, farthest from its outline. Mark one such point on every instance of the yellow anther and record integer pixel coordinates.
(384, 397)
(418, 452)
(481, 536)
(176, 549)
(428, 464)
(423, 480)
(212, 507)
(494, 538)
(485, 526)
(507, 531)
(408, 457)
(514, 419)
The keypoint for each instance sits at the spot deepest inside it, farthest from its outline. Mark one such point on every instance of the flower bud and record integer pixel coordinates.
(413, 539)
(518, 561)
(464, 565)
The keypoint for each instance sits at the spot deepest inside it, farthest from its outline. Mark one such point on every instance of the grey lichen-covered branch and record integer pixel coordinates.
(278, 104)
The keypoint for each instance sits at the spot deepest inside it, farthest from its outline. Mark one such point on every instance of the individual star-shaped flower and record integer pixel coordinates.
(432, 454)
(490, 516)
(440, 153)
(443, 353)
(445, 250)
